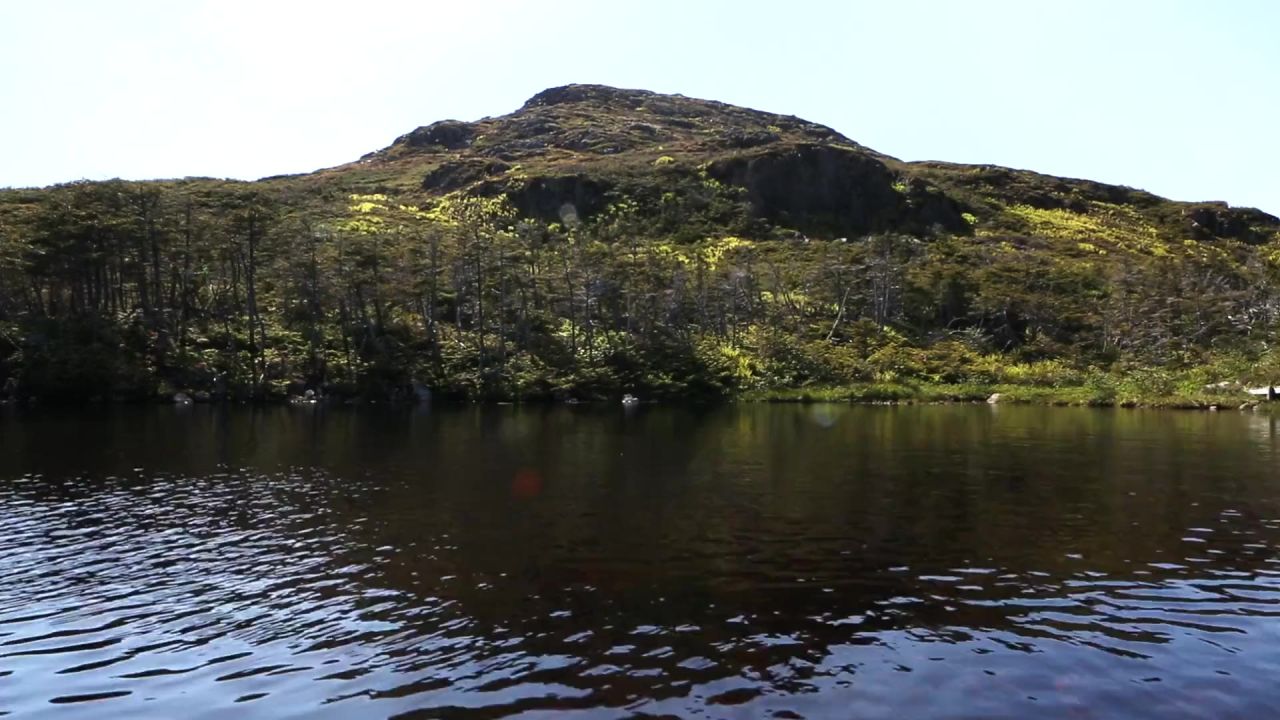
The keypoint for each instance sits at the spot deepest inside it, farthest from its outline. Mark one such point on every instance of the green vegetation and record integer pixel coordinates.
(547, 254)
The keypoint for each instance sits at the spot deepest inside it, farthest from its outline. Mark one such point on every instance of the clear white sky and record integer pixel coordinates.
(1178, 97)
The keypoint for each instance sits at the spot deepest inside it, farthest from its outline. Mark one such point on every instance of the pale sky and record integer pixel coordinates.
(1179, 98)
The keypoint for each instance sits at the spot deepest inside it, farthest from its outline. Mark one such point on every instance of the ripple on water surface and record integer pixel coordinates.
(744, 562)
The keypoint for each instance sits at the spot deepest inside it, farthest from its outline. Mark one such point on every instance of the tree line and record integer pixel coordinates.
(137, 290)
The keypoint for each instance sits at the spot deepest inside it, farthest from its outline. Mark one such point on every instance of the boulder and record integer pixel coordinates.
(447, 134)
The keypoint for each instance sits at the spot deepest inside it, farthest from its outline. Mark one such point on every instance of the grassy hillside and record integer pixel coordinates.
(599, 241)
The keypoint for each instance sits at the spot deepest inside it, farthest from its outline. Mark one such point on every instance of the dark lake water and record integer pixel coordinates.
(739, 562)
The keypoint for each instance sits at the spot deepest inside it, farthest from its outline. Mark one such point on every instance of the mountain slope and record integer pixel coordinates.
(598, 240)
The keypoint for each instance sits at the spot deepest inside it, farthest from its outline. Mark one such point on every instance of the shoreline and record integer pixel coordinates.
(879, 394)
(1003, 394)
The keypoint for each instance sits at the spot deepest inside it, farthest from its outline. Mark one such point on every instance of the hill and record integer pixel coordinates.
(600, 240)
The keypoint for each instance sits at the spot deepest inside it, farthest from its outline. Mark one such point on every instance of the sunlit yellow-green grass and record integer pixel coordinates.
(1104, 225)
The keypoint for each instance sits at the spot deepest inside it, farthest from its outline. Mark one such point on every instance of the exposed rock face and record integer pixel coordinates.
(446, 134)
(1218, 220)
(566, 199)
(812, 185)
(455, 175)
(600, 94)
(817, 187)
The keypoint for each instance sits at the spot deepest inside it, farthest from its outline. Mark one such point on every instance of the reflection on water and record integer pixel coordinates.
(750, 561)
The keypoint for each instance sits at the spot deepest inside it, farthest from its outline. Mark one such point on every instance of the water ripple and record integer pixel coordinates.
(750, 576)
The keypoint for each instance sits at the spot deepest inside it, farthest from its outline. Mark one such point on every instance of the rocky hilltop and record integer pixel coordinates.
(598, 241)
(586, 145)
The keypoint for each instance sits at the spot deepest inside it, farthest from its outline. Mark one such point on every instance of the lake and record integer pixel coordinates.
(743, 561)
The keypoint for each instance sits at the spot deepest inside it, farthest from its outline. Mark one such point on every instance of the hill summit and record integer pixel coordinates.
(583, 144)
